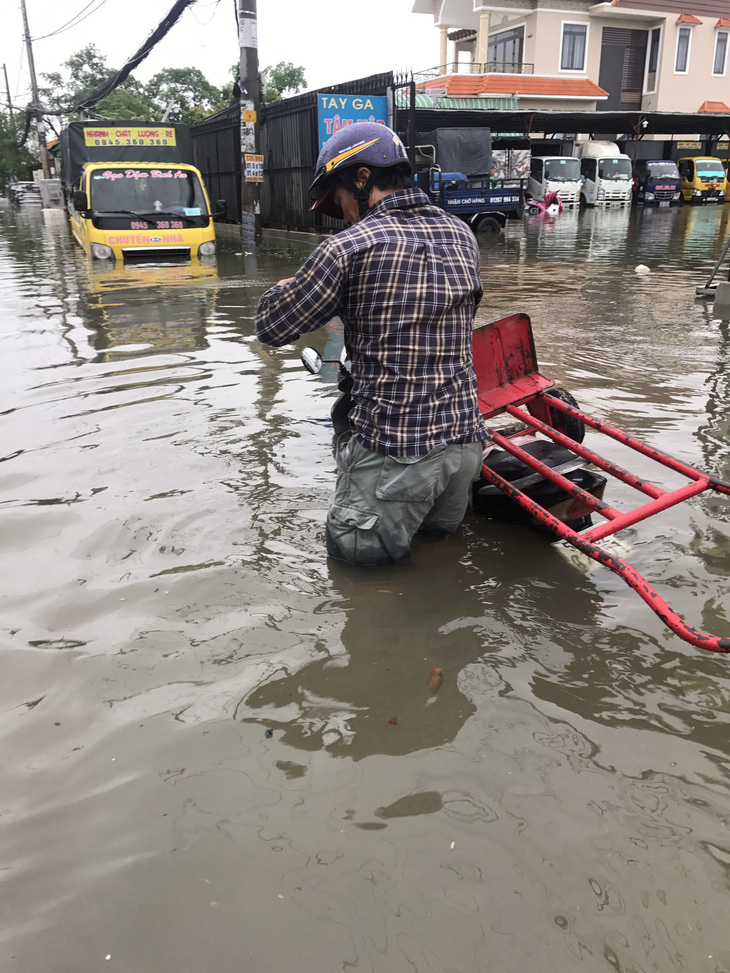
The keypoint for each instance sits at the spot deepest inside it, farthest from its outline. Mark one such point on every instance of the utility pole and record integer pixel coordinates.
(7, 89)
(36, 106)
(252, 169)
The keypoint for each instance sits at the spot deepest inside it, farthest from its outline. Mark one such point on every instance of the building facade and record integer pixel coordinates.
(652, 55)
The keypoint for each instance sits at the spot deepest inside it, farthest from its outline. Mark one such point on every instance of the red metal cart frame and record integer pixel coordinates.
(508, 378)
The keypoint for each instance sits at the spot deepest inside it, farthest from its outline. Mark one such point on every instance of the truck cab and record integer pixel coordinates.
(136, 211)
(554, 173)
(703, 179)
(657, 182)
(133, 192)
(606, 172)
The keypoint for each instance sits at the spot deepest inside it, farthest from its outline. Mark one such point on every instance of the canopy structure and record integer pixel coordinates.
(529, 122)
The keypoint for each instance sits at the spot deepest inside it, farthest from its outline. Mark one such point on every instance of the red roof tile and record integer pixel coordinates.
(688, 19)
(722, 22)
(460, 85)
(714, 106)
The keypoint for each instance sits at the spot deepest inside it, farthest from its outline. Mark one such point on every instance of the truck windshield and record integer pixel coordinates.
(614, 169)
(709, 168)
(662, 171)
(147, 190)
(562, 170)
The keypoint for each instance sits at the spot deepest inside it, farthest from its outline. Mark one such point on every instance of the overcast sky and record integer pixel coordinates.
(332, 40)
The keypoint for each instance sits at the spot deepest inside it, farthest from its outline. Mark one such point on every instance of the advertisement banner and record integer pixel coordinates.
(337, 111)
(253, 167)
(127, 135)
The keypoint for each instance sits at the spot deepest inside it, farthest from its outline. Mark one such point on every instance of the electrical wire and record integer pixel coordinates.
(75, 21)
(120, 76)
(204, 23)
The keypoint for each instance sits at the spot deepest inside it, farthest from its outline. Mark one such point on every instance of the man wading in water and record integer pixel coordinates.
(404, 279)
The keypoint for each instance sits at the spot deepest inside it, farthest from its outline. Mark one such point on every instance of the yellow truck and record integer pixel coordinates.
(133, 193)
(703, 179)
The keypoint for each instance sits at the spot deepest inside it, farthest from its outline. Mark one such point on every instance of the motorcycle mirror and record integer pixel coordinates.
(312, 360)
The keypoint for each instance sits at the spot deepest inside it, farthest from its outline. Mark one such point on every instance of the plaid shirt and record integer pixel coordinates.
(405, 281)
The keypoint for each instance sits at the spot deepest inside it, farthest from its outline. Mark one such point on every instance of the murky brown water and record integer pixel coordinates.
(199, 768)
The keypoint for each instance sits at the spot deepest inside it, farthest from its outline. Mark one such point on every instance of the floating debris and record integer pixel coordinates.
(436, 679)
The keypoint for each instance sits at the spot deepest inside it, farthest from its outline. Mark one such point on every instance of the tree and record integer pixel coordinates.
(280, 78)
(193, 95)
(15, 163)
(86, 70)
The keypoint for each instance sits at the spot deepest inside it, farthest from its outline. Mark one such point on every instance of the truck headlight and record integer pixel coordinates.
(100, 251)
(206, 249)
(648, 195)
(696, 192)
(677, 196)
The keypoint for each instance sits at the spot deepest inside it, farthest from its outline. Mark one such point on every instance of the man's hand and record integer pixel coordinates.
(286, 280)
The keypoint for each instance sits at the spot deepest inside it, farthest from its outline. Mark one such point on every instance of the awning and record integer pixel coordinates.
(445, 102)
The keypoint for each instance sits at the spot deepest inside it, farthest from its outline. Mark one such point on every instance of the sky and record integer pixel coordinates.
(333, 41)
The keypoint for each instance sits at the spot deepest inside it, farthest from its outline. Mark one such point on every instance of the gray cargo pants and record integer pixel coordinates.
(381, 502)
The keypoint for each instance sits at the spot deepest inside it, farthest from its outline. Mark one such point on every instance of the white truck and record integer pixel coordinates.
(606, 172)
(555, 174)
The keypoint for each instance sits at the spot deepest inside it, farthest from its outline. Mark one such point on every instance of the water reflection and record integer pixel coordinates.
(148, 310)
(371, 695)
(166, 601)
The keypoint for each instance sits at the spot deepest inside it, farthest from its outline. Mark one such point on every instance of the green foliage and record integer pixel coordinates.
(15, 163)
(86, 70)
(193, 95)
(281, 78)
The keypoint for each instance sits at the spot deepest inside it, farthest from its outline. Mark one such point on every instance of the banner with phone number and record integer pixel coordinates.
(129, 136)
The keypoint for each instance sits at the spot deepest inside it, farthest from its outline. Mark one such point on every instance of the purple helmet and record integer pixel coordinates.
(365, 143)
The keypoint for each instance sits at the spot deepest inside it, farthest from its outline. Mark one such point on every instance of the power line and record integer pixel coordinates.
(75, 20)
(204, 23)
(120, 76)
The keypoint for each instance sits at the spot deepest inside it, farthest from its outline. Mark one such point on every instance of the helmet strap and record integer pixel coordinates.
(361, 194)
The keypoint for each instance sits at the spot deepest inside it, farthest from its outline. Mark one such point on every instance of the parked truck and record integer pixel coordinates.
(657, 183)
(703, 179)
(606, 172)
(555, 174)
(454, 167)
(133, 194)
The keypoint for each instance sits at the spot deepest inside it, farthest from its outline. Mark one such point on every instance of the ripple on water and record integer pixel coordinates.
(192, 695)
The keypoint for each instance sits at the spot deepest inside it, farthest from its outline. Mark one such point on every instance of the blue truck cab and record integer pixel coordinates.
(454, 168)
(657, 182)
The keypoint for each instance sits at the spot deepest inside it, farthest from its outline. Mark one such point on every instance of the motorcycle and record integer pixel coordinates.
(552, 205)
(488, 499)
(536, 472)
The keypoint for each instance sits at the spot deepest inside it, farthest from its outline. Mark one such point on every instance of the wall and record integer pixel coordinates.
(686, 92)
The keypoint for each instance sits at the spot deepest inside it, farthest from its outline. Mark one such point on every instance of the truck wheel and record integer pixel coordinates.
(572, 428)
(487, 226)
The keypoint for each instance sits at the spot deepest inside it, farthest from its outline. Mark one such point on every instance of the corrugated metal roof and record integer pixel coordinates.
(503, 103)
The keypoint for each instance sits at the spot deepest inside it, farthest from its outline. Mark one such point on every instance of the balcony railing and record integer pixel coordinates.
(473, 67)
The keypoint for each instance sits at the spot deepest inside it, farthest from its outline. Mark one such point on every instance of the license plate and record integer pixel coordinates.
(613, 545)
(664, 202)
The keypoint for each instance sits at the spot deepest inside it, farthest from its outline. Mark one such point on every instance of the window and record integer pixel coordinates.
(681, 61)
(573, 47)
(718, 67)
(506, 47)
(652, 60)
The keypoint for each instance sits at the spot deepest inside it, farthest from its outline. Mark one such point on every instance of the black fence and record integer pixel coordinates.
(290, 146)
(217, 153)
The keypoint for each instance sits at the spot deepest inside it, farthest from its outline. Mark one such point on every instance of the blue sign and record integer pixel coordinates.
(337, 111)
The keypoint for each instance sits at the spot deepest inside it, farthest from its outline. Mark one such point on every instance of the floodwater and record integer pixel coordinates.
(220, 752)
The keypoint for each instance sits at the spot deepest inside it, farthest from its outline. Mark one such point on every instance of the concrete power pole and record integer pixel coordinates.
(252, 167)
(36, 99)
(7, 89)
